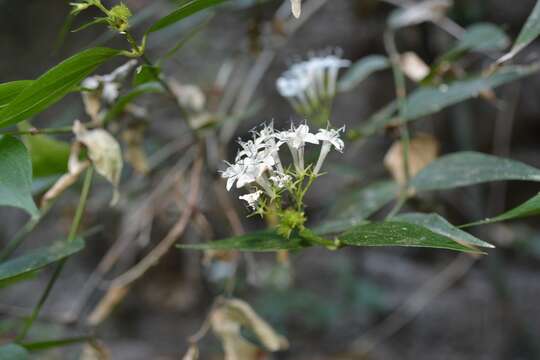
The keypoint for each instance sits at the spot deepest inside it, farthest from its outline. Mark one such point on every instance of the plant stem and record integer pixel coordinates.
(401, 93)
(71, 236)
(36, 131)
(18, 238)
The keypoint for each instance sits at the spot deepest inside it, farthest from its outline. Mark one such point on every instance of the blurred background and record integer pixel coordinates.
(397, 303)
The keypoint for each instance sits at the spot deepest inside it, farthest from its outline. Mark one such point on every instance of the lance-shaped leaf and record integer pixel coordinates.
(482, 37)
(10, 90)
(432, 99)
(427, 10)
(39, 258)
(528, 33)
(13, 352)
(357, 205)
(360, 70)
(530, 207)
(257, 241)
(16, 175)
(187, 9)
(439, 225)
(400, 233)
(469, 168)
(54, 85)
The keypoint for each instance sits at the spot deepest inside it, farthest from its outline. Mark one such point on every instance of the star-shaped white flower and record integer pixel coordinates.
(233, 173)
(329, 138)
(298, 137)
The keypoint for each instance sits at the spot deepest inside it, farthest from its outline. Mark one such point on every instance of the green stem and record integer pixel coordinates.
(313, 238)
(18, 238)
(401, 93)
(34, 131)
(399, 204)
(71, 236)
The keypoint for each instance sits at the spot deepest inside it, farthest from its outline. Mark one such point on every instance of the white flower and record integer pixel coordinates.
(250, 149)
(266, 139)
(296, 8)
(311, 83)
(329, 138)
(232, 174)
(251, 198)
(296, 138)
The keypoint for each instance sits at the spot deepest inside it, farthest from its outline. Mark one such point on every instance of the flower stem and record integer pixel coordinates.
(71, 236)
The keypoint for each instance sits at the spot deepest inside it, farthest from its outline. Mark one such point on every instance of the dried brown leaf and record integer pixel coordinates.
(95, 351)
(135, 155)
(228, 318)
(104, 152)
(414, 67)
(75, 169)
(192, 353)
(423, 149)
(188, 96)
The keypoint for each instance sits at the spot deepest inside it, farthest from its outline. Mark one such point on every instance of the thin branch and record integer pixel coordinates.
(58, 270)
(177, 230)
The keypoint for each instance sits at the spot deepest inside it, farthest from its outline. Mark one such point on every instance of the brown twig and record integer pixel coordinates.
(177, 230)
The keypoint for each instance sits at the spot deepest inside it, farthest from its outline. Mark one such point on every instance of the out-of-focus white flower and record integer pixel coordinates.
(296, 8)
(296, 138)
(109, 84)
(329, 138)
(310, 84)
(251, 198)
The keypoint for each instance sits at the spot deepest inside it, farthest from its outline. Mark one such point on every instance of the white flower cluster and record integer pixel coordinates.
(258, 161)
(310, 83)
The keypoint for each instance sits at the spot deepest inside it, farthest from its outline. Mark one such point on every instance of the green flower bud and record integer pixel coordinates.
(118, 17)
(290, 220)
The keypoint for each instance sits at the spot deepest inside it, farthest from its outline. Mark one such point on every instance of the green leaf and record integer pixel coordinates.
(469, 168)
(16, 175)
(39, 258)
(258, 241)
(432, 99)
(146, 73)
(439, 225)
(530, 207)
(399, 233)
(17, 279)
(54, 85)
(187, 9)
(13, 352)
(360, 70)
(528, 33)
(482, 37)
(417, 13)
(49, 156)
(356, 206)
(10, 90)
